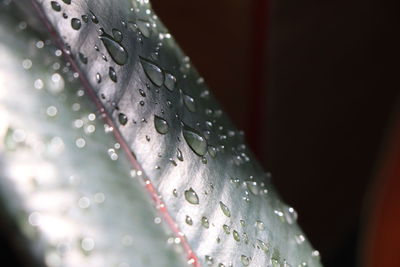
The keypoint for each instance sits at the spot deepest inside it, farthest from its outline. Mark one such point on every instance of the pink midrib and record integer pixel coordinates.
(151, 190)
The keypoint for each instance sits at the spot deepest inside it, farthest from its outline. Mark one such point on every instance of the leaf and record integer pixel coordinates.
(211, 194)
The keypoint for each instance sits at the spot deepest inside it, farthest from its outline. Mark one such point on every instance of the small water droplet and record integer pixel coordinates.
(85, 18)
(122, 118)
(245, 238)
(221, 265)
(291, 215)
(153, 72)
(144, 27)
(195, 140)
(142, 93)
(112, 74)
(260, 225)
(227, 229)
(236, 236)
(170, 81)
(245, 260)
(116, 50)
(300, 239)
(161, 125)
(212, 151)
(209, 260)
(242, 223)
(98, 77)
(179, 154)
(264, 246)
(189, 220)
(204, 160)
(189, 103)
(191, 196)
(65, 16)
(94, 18)
(87, 244)
(83, 58)
(253, 187)
(225, 209)
(117, 35)
(175, 193)
(55, 6)
(68, 2)
(141, 103)
(205, 223)
(76, 23)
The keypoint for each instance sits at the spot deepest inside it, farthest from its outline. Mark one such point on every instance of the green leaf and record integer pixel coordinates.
(80, 191)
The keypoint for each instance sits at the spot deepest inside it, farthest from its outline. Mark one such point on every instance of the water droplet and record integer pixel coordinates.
(144, 27)
(65, 16)
(205, 223)
(225, 209)
(189, 103)
(209, 260)
(116, 50)
(142, 93)
(122, 118)
(87, 244)
(191, 196)
(227, 229)
(189, 220)
(76, 23)
(245, 260)
(153, 72)
(94, 18)
(212, 151)
(264, 246)
(315, 254)
(245, 238)
(236, 236)
(117, 35)
(141, 103)
(253, 187)
(85, 18)
(260, 225)
(55, 6)
(195, 140)
(291, 215)
(179, 154)
(221, 265)
(83, 58)
(300, 239)
(112, 74)
(160, 124)
(98, 77)
(170, 81)
(204, 160)
(242, 223)
(68, 2)
(175, 193)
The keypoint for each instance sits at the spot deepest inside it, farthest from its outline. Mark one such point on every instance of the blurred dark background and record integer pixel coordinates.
(318, 85)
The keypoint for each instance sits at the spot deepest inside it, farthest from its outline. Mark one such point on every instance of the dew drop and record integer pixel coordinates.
(300, 239)
(195, 140)
(205, 223)
(112, 74)
(117, 35)
(189, 220)
(144, 27)
(142, 93)
(170, 81)
(242, 223)
(55, 6)
(252, 186)
(291, 215)
(209, 260)
(94, 18)
(85, 18)
(189, 103)
(98, 77)
(260, 225)
(212, 151)
(76, 23)
(68, 2)
(179, 154)
(122, 118)
(116, 50)
(87, 244)
(175, 193)
(225, 209)
(227, 229)
(83, 58)
(191, 196)
(245, 260)
(161, 125)
(236, 236)
(153, 72)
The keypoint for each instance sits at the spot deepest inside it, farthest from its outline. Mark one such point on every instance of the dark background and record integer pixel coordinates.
(314, 84)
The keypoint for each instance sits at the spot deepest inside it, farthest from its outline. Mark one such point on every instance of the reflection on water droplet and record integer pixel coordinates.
(116, 50)
(170, 81)
(76, 23)
(189, 103)
(153, 72)
(205, 223)
(209, 260)
(225, 209)
(117, 35)
(122, 118)
(112, 74)
(195, 140)
(161, 125)
(188, 220)
(191, 196)
(236, 236)
(245, 260)
(55, 5)
(179, 154)
(227, 229)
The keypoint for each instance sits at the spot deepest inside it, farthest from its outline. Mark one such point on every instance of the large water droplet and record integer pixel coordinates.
(68, 2)
(122, 118)
(116, 50)
(112, 74)
(225, 209)
(245, 260)
(195, 140)
(189, 220)
(55, 5)
(170, 81)
(117, 35)
(191, 196)
(160, 124)
(153, 72)
(189, 103)
(76, 23)
(205, 223)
